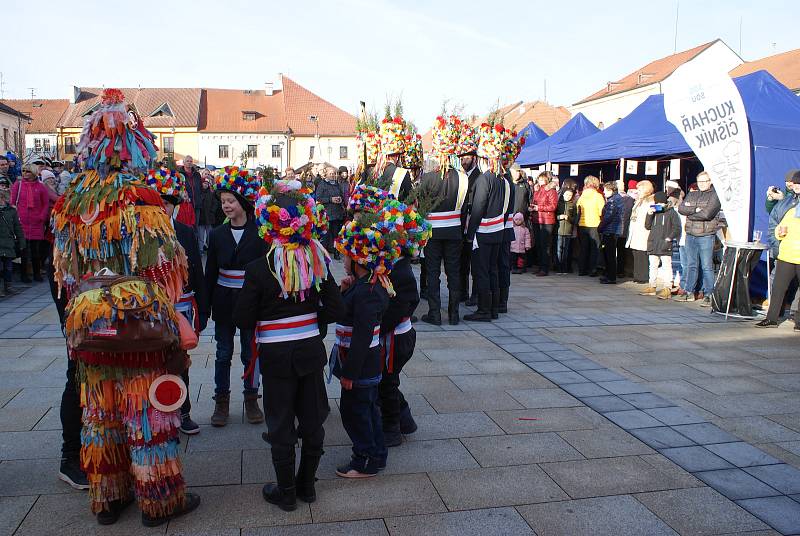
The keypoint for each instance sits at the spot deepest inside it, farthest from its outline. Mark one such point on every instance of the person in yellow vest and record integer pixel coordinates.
(590, 209)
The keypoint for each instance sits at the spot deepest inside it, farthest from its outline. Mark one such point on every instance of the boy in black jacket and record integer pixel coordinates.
(232, 246)
(356, 358)
(664, 225)
(289, 314)
(193, 303)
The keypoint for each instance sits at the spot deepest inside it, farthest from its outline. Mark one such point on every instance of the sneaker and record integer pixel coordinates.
(663, 294)
(648, 291)
(359, 468)
(71, 473)
(188, 426)
(706, 302)
(766, 323)
(797, 327)
(691, 297)
(680, 296)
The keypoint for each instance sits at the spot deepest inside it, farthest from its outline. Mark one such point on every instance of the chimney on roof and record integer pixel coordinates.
(76, 93)
(268, 89)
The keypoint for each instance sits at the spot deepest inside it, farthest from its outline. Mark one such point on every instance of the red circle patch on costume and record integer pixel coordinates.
(167, 393)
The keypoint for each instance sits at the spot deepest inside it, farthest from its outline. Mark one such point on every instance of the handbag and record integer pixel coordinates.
(133, 331)
(188, 335)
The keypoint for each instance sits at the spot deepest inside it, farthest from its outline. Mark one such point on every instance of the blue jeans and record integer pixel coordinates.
(682, 261)
(223, 334)
(699, 252)
(362, 421)
(8, 269)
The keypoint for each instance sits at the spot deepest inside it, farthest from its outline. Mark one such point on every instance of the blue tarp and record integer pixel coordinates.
(773, 114)
(539, 153)
(532, 133)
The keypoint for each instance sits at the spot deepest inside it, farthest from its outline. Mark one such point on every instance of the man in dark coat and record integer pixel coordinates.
(194, 184)
(469, 170)
(447, 241)
(504, 256)
(332, 194)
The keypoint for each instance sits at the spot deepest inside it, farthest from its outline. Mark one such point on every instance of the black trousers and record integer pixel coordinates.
(564, 253)
(300, 398)
(504, 266)
(71, 414)
(391, 399)
(544, 236)
(436, 252)
(485, 267)
(609, 246)
(785, 275)
(334, 226)
(36, 251)
(621, 253)
(423, 274)
(464, 268)
(533, 253)
(589, 248)
(641, 266)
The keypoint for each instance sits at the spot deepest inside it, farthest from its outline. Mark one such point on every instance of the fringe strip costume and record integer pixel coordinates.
(108, 218)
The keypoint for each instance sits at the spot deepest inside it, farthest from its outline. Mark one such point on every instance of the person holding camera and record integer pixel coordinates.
(665, 229)
(787, 267)
(332, 194)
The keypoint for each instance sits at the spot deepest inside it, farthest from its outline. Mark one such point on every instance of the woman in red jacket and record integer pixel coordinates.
(29, 197)
(545, 203)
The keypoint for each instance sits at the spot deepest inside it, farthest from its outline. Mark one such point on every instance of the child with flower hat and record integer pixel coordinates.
(193, 302)
(231, 246)
(370, 252)
(289, 297)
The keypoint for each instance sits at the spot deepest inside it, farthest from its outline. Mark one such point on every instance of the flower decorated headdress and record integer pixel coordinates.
(114, 136)
(168, 183)
(370, 143)
(238, 182)
(467, 141)
(366, 198)
(365, 243)
(446, 135)
(404, 226)
(412, 157)
(291, 222)
(493, 145)
(392, 135)
(513, 146)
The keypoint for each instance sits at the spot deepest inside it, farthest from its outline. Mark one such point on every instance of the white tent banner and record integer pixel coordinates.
(703, 103)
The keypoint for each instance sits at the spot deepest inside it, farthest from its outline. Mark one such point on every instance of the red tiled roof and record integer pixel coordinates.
(223, 111)
(784, 66)
(5, 108)
(300, 104)
(547, 117)
(184, 103)
(44, 113)
(653, 72)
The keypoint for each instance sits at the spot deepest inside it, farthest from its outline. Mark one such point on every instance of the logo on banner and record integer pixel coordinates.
(703, 103)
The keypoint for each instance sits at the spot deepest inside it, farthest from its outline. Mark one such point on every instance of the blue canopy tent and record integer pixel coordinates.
(532, 133)
(773, 114)
(538, 153)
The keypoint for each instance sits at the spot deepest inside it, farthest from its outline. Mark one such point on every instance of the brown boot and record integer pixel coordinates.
(664, 294)
(648, 291)
(221, 410)
(252, 412)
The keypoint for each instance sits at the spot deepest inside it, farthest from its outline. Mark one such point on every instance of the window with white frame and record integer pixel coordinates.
(343, 152)
(223, 151)
(276, 151)
(252, 151)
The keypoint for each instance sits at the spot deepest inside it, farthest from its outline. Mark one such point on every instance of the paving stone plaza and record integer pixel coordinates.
(588, 409)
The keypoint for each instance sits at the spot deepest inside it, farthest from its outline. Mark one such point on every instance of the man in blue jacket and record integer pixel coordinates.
(610, 229)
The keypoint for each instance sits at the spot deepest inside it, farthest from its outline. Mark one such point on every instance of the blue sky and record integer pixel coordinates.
(470, 53)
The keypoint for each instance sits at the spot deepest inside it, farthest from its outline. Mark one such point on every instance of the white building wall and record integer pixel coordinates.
(326, 149)
(209, 143)
(10, 123)
(608, 110)
(41, 144)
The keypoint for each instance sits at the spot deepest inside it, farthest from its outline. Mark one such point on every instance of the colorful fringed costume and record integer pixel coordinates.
(109, 219)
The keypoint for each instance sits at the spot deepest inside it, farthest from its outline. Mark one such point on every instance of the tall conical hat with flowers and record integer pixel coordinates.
(446, 135)
(392, 134)
(291, 222)
(493, 145)
(108, 217)
(239, 182)
(169, 183)
(412, 156)
(467, 140)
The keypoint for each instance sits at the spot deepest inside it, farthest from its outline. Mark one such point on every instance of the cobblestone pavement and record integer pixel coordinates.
(586, 410)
